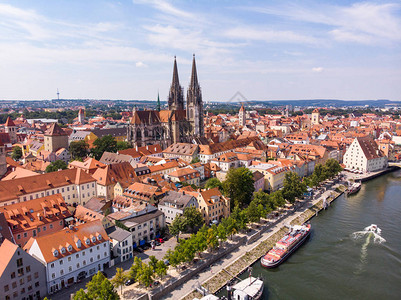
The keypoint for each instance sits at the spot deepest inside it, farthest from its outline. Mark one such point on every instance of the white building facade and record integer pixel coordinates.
(364, 155)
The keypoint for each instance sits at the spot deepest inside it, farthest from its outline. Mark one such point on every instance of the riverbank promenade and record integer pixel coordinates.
(185, 290)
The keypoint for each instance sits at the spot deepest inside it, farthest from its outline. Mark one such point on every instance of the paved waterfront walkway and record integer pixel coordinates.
(202, 277)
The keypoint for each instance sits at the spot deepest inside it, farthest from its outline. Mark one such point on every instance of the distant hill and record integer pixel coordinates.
(327, 102)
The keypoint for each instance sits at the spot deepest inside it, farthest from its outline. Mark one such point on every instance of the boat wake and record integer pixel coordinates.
(369, 232)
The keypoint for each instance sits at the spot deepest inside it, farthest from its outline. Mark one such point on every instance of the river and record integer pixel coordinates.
(334, 265)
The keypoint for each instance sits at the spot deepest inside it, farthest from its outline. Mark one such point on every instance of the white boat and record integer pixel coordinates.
(250, 288)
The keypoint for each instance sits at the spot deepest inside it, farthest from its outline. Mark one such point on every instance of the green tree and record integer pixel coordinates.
(145, 275)
(55, 166)
(230, 226)
(195, 160)
(98, 288)
(161, 269)
(333, 167)
(107, 291)
(79, 149)
(211, 239)
(214, 182)
(293, 187)
(278, 199)
(94, 285)
(80, 295)
(239, 186)
(119, 279)
(122, 145)
(153, 262)
(178, 225)
(103, 144)
(136, 266)
(252, 212)
(193, 218)
(221, 232)
(17, 153)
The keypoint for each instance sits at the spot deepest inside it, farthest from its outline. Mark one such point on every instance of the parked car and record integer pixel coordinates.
(138, 249)
(156, 283)
(129, 282)
(160, 240)
(157, 243)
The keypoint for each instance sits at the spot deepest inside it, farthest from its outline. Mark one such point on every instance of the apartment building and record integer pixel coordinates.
(71, 254)
(36, 217)
(21, 276)
(74, 185)
(213, 205)
(174, 204)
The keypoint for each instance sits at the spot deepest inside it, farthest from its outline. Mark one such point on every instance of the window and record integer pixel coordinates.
(38, 229)
(77, 256)
(61, 272)
(18, 236)
(6, 288)
(69, 269)
(61, 223)
(19, 262)
(14, 284)
(28, 269)
(61, 261)
(34, 233)
(52, 265)
(25, 234)
(21, 281)
(51, 226)
(36, 284)
(29, 278)
(77, 265)
(44, 228)
(69, 258)
(20, 272)
(36, 275)
(29, 287)
(53, 275)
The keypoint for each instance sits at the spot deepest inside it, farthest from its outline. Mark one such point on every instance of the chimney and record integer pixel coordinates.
(147, 147)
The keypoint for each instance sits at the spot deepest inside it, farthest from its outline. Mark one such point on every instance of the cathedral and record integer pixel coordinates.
(177, 124)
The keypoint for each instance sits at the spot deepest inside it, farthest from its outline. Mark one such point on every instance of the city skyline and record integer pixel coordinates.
(276, 51)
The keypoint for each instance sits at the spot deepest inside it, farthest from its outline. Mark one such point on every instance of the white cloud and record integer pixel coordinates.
(140, 64)
(367, 23)
(269, 36)
(317, 69)
(165, 7)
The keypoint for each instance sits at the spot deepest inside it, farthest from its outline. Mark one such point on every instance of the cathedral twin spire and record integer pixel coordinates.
(176, 97)
(194, 108)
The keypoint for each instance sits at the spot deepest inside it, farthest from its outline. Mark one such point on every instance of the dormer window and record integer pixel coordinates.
(78, 243)
(62, 250)
(87, 241)
(69, 248)
(55, 253)
(93, 239)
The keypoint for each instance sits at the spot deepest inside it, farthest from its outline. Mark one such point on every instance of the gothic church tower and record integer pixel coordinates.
(195, 104)
(175, 97)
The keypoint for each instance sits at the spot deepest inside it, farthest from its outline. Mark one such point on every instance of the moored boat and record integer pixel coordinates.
(353, 189)
(250, 288)
(286, 246)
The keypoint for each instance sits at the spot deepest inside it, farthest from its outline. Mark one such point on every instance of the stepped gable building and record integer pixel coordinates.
(174, 125)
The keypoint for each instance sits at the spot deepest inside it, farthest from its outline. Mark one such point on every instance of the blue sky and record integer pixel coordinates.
(267, 50)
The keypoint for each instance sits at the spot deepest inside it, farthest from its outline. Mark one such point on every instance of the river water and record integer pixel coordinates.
(332, 264)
